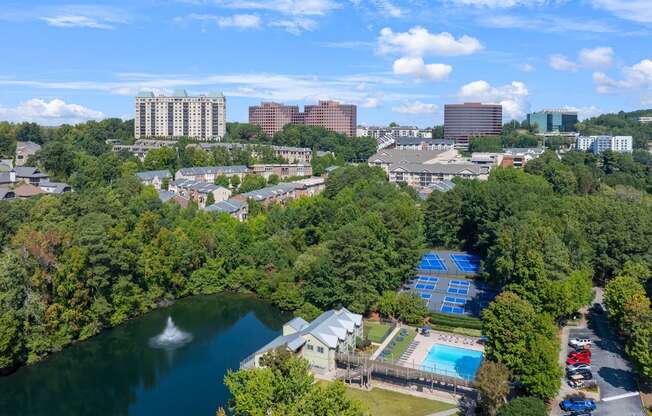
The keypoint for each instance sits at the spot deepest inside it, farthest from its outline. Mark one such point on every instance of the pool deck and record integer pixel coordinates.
(424, 345)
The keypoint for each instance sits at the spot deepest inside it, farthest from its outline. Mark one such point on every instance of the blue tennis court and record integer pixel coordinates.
(456, 301)
(425, 296)
(432, 261)
(457, 291)
(452, 309)
(427, 279)
(421, 286)
(459, 283)
(466, 263)
(458, 287)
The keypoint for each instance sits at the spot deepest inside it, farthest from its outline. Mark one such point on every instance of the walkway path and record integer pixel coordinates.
(385, 342)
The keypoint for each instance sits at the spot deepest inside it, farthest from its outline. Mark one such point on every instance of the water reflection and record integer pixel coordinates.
(118, 373)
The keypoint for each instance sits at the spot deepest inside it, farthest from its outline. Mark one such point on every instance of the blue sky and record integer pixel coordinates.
(398, 60)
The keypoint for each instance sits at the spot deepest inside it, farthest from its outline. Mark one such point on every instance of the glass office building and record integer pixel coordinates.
(553, 121)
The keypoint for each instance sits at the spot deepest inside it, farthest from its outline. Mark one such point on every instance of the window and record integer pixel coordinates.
(309, 347)
(320, 350)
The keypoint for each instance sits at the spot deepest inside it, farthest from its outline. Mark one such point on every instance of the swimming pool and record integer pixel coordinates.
(452, 361)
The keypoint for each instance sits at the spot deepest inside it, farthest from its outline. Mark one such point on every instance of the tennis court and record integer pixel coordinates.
(432, 262)
(458, 287)
(466, 263)
(421, 286)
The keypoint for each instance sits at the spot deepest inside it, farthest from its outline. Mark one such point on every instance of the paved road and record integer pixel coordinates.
(618, 389)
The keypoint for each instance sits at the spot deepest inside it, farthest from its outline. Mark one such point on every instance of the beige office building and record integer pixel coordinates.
(180, 115)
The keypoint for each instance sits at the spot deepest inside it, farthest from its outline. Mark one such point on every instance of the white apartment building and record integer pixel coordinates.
(599, 144)
(645, 120)
(180, 115)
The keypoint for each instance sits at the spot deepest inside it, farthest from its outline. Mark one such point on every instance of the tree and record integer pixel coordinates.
(29, 132)
(492, 379)
(286, 387)
(161, 158)
(639, 348)
(235, 181)
(273, 179)
(252, 183)
(222, 180)
(524, 340)
(210, 199)
(524, 406)
(618, 293)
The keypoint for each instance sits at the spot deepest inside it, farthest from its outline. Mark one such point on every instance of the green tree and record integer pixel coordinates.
(29, 132)
(639, 348)
(210, 199)
(524, 340)
(252, 183)
(618, 293)
(492, 379)
(222, 180)
(273, 179)
(161, 158)
(235, 181)
(524, 406)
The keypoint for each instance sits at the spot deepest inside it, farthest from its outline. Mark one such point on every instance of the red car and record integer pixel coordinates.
(580, 354)
(578, 360)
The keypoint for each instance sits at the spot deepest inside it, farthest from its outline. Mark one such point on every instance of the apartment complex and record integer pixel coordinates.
(199, 191)
(317, 341)
(463, 121)
(599, 144)
(390, 136)
(553, 121)
(209, 174)
(281, 170)
(180, 115)
(141, 147)
(421, 175)
(387, 158)
(289, 153)
(645, 120)
(418, 143)
(272, 117)
(331, 115)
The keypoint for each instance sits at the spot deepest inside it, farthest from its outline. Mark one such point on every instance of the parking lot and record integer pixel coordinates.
(618, 390)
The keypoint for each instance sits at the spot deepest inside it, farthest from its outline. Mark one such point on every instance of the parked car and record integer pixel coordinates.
(578, 360)
(586, 374)
(577, 405)
(579, 342)
(577, 367)
(580, 353)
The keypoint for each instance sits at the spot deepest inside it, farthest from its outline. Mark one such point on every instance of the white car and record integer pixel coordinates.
(575, 367)
(579, 342)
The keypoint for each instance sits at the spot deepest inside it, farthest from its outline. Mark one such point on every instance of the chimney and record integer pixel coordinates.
(12, 176)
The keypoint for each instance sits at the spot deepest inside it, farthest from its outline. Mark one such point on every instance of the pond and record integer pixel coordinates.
(171, 361)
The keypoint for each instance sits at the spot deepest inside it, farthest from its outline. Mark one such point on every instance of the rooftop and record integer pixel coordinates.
(230, 206)
(151, 174)
(201, 187)
(208, 170)
(404, 156)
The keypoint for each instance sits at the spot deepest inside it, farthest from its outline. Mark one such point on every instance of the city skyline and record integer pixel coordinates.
(396, 60)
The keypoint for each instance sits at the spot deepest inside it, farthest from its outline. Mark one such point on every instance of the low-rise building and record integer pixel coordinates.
(154, 178)
(486, 159)
(309, 186)
(289, 153)
(422, 175)
(599, 144)
(334, 331)
(142, 146)
(27, 174)
(208, 174)
(418, 143)
(388, 157)
(235, 208)
(645, 120)
(276, 194)
(518, 156)
(24, 150)
(54, 187)
(281, 170)
(199, 191)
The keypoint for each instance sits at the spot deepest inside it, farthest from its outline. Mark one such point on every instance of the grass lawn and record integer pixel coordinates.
(379, 402)
(401, 345)
(376, 331)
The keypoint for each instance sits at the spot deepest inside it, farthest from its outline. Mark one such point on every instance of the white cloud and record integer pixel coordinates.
(636, 80)
(76, 21)
(295, 26)
(415, 67)
(546, 23)
(416, 107)
(289, 7)
(560, 62)
(348, 44)
(600, 57)
(418, 42)
(49, 113)
(584, 112)
(389, 8)
(525, 67)
(499, 3)
(80, 16)
(513, 97)
(372, 102)
(636, 10)
(240, 21)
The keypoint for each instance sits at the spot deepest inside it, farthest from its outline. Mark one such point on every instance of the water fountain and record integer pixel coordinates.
(171, 337)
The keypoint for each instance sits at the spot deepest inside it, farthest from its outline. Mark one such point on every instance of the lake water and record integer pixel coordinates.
(125, 371)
